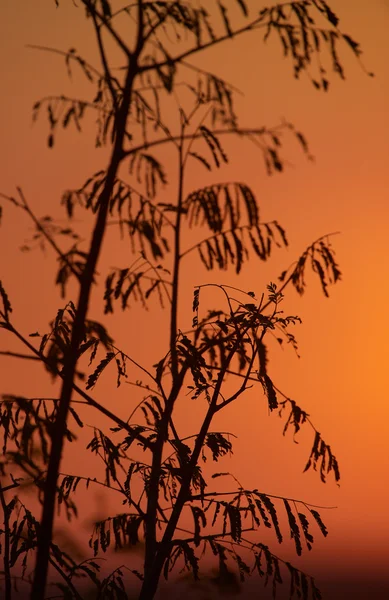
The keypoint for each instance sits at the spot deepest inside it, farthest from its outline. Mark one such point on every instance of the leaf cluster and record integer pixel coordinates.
(55, 345)
(27, 429)
(220, 207)
(303, 41)
(321, 257)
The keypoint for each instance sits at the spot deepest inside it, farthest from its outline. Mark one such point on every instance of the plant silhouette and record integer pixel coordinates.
(217, 360)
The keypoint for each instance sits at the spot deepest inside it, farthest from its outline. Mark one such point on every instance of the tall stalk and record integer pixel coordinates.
(70, 362)
(176, 267)
(153, 489)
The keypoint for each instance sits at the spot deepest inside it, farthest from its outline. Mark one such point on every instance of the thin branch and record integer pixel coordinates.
(144, 197)
(25, 206)
(255, 379)
(94, 105)
(241, 131)
(134, 362)
(242, 388)
(144, 276)
(211, 43)
(145, 387)
(69, 55)
(209, 74)
(209, 497)
(6, 398)
(160, 279)
(81, 392)
(219, 233)
(108, 75)
(12, 486)
(154, 27)
(19, 355)
(93, 10)
(253, 546)
(289, 279)
(108, 486)
(213, 536)
(191, 141)
(66, 578)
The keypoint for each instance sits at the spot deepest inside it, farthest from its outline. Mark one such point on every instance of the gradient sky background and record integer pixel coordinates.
(341, 376)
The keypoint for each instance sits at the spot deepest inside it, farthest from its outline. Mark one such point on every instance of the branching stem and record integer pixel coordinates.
(46, 525)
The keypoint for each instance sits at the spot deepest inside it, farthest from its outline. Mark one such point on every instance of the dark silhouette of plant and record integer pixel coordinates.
(215, 362)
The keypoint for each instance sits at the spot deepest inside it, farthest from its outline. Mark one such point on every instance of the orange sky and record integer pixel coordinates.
(341, 376)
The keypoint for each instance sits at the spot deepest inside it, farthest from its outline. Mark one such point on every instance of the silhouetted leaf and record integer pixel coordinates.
(7, 308)
(243, 7)
(218, 445)
(92, 379)
(305, 527)
(200, 522)
(226, 21)
(273, 515)
(294, 529)
(318, 520)
(201, 159)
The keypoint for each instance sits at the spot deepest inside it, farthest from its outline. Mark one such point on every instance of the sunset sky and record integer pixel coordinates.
(341, 377)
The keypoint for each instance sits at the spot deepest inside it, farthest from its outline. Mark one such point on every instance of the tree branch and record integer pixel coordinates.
(211, 43)
(81, 392)
(19, 355)
(241, 131)
(93, 10)
(25, 206)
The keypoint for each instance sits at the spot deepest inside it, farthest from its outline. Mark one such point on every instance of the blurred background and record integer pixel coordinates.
(340, 379)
